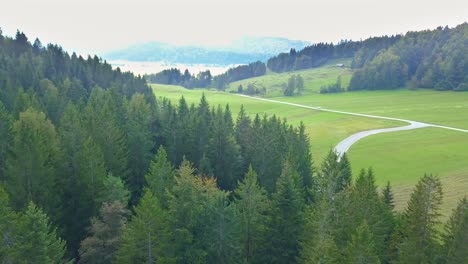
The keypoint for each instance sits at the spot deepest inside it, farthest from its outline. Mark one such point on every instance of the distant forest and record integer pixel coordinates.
(436, 59)
(93, 169)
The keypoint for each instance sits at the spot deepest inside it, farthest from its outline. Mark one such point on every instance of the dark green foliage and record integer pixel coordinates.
(455, 237)
(37, 239)
(223, 151)
(421, 241)
(253, 209)
(430, 59)
(387, 196)
(142, 237)
(31, 165)
(332, 88)
(140, 144)
(160, 177)
(5, 136)
(361, 248)
(287, 217)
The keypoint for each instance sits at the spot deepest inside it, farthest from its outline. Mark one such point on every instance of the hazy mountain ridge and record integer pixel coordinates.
(241, 51)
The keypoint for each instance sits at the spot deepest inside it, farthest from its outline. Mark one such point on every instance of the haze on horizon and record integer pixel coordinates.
(89, 27)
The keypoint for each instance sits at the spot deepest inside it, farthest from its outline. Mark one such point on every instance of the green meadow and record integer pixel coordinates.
(313, 79)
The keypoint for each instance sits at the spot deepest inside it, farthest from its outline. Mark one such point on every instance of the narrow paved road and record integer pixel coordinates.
(344, 145)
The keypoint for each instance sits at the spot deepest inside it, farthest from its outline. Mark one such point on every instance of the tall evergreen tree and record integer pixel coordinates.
(100, 117)
(387, 196)
(31, 164)
(253, 209)
(140, 143)
(144, 237)
(420, 243)
(361, 248)
(37, 240)
(455, 237)
(160, 177)
(223, 151)
(287, 217)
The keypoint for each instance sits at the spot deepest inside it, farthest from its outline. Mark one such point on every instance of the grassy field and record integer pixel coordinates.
(313, 79)
(403, 157)
(324, 129)
(443, 108)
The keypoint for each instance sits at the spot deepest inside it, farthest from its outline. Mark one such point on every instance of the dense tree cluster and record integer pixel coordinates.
(241, 72)
(175, 77)
(106, 174)
(320, 53)
(294, 86)
(428, 59)
(204, 79)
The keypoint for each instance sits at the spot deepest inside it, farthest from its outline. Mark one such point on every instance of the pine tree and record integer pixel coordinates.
(100, 118)
(420, 243)
(223, 152)
(366, 205)
(253, 209)
(188, 217)
(287, 217)
(224, 245)
(140, 143)
(361, 248)
(144, 236)
(30, 169)
(105, 234)
(317, 241)
(115, 191)
(37, 241)
(160, 177)
(387, 196)
(455, 237)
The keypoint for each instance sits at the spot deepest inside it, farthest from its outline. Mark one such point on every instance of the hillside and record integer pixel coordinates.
(240, 51)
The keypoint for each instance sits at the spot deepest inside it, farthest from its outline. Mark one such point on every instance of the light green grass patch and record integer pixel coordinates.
(404, 157)
(313, 79)
(442, 108)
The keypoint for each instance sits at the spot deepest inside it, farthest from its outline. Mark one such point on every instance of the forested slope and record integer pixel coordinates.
(95, 170)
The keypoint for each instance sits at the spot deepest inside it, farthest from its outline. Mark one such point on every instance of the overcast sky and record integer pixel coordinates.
(100, 25)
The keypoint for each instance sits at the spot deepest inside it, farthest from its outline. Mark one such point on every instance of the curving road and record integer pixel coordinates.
(345, 144)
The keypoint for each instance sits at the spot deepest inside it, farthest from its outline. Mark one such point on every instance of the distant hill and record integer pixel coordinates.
(241, 51)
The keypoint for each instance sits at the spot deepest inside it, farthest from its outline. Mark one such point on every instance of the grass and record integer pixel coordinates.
(403, 157)
(443, 108)
(313, 79)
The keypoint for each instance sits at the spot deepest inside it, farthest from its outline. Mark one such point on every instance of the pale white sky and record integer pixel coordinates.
(101, 25)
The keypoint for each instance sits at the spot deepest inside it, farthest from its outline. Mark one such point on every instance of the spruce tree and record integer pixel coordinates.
(31, 166)
(387, 196)
(420, 243)
(361, 248)
(287, 217)
(455, 237)
(253, 207)
(145, 235)
(37, 241)
(160, 177)
(140, 144)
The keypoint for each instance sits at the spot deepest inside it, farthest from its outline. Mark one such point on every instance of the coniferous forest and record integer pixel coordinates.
(94, 169)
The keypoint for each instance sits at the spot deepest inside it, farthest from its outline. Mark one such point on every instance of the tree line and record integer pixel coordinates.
(433, 59)
(101, 172)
